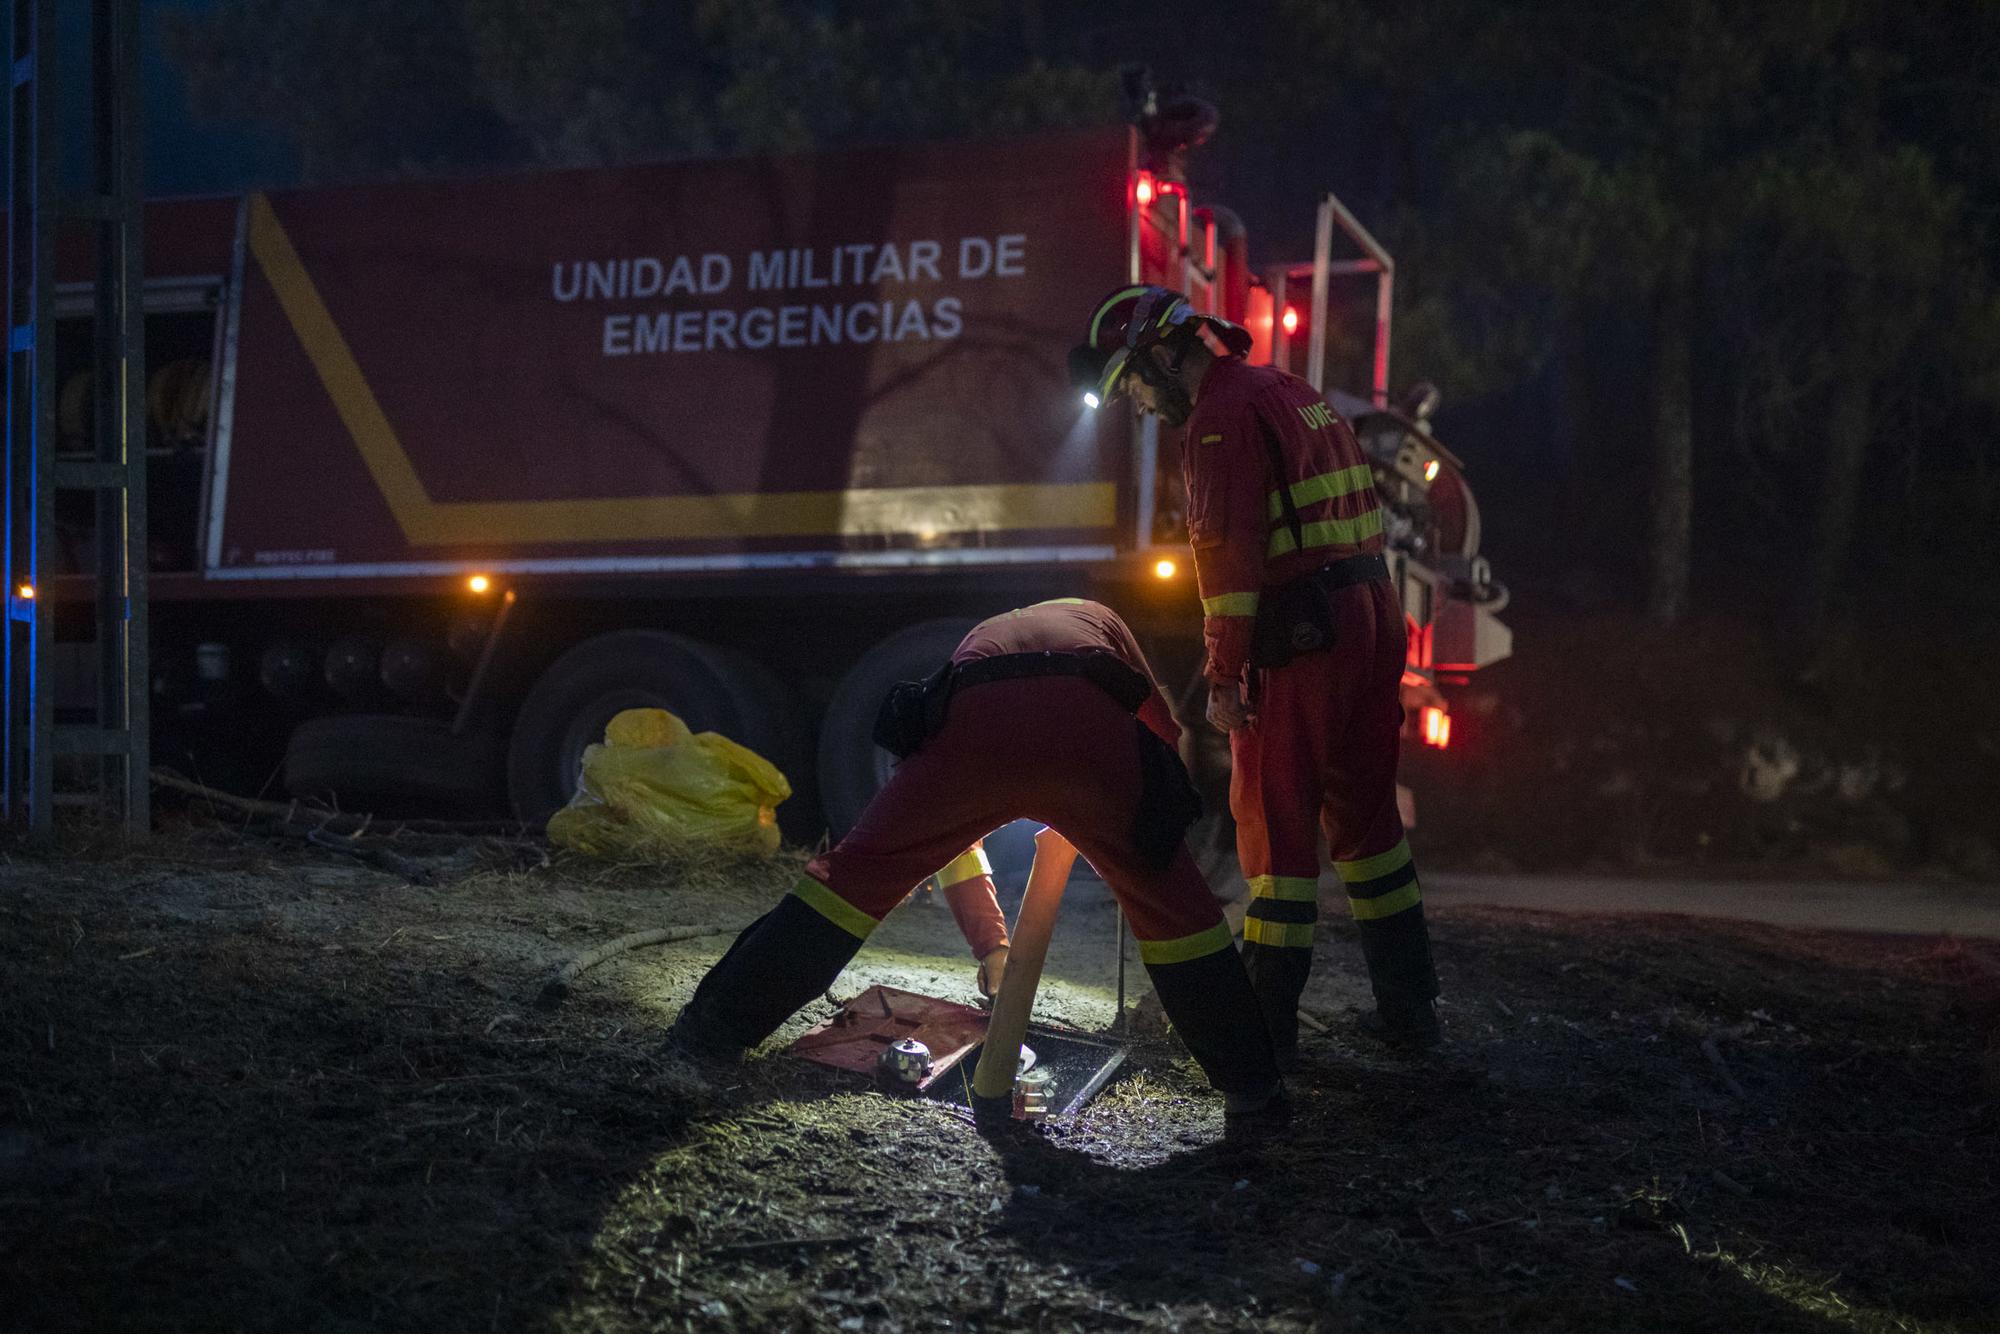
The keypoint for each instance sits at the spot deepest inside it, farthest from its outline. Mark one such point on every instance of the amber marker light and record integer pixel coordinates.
(1437, 727)
(1165, 569)
(26, 592)
(1431, 471)
(479, 583)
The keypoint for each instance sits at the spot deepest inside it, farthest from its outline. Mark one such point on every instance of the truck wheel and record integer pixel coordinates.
(852, 768)
(589, 686)
(362, 758)
(776, 726)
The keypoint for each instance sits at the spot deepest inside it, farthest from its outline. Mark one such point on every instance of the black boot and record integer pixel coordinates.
(1256, 1118)
(1404, 1027)
(1278, 975)
(782, 960)
(1209, 1002)
(1398, 951)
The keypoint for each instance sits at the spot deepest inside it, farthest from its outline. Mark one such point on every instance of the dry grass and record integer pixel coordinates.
(248, 1085)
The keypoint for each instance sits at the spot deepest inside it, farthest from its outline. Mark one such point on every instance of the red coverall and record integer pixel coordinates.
(1056, 749)
(966, 885)
(1321, 750)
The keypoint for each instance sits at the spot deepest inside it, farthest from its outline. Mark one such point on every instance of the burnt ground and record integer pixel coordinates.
(246, 1085)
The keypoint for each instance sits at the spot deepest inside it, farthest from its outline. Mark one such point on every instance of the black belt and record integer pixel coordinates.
(1293, 617)
(915, 710)
(1107, 672)
(1364, 569)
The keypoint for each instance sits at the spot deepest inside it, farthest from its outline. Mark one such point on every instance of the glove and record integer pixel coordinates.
(991, 969)
(1228, 711)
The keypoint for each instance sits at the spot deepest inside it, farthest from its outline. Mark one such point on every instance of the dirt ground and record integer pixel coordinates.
(250, 1085)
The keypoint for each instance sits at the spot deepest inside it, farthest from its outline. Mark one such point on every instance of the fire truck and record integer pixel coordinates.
(444, 474)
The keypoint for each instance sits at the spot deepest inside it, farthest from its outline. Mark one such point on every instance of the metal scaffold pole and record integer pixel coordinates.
(113, 467)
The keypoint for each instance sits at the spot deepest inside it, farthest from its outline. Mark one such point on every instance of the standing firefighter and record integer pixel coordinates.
(1305, 646)
(1049, 713)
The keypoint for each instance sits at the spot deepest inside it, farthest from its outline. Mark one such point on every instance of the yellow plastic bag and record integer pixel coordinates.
(654, 788)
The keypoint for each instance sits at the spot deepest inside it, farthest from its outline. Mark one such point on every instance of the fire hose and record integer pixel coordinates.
(993, 1079)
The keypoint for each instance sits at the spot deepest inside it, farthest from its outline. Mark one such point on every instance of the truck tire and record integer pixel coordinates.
(776, 725)
(852, 768)
(392, 764)
(588, 686)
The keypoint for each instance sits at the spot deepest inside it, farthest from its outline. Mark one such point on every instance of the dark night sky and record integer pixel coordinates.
(184, 155)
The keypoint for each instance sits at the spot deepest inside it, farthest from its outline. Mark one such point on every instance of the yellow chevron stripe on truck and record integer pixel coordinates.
(428, 522)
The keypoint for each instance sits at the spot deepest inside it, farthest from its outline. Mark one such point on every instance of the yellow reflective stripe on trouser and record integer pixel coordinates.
(1328, 533)
(968, 865)
(1386, 905)
(1295, 935)
(834, 908)
(1326, 486)
(1368, 868)
(1382, 885)
(1183, 948)
(1230, 604)
(1290, 888)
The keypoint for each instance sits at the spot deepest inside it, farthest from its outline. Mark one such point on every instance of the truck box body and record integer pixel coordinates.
(842, 358)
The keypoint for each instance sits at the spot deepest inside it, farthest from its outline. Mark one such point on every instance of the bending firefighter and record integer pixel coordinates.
(1305, 646)
(1049, 713)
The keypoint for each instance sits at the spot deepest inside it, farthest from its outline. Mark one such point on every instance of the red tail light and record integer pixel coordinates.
(1437, 727)
(1144, 190)
(1291, 319)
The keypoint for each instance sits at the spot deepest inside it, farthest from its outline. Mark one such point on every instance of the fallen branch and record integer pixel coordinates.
(331, 821)
(1314, 1022)
(558, 986)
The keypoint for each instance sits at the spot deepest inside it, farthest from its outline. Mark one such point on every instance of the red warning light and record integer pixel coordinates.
(1437, 727)
(1291, 319)
(1145, 190)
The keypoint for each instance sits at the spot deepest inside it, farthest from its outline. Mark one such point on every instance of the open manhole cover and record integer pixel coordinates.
(1077, 1065)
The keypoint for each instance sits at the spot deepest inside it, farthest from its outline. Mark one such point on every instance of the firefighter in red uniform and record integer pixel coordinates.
(1305, 646)
(1049, 713)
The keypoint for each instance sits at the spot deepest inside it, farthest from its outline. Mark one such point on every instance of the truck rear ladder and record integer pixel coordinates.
(115, 472)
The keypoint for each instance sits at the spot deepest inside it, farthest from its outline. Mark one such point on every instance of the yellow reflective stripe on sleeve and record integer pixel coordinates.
(1290, 935)
(1290, 888)
(1370, 868)
(968, 865)
(1326, 486)
(1329, 532)
(834, 908)
(1183, 948)
(1230, 604)
(1388, 905)
(1215, 439)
